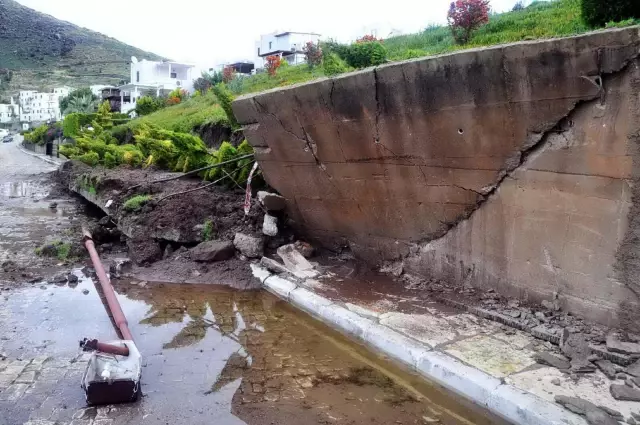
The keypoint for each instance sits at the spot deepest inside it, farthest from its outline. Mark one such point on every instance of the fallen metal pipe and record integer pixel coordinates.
(109, 294)
(103, 347)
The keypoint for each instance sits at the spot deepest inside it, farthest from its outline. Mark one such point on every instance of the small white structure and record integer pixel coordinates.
(37, 107)
(288, 45)
(9, 113)
(97, 89)
(155, 77)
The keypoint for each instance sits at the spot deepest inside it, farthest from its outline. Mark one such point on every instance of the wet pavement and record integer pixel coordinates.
(26, 219)
(209, 354)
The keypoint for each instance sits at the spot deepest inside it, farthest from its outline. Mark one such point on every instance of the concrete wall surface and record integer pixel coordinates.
(510, 167)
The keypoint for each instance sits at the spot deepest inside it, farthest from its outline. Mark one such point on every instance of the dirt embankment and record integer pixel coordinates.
(161, 231)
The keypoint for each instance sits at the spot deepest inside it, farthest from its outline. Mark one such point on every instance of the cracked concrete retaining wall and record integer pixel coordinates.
(509, 167)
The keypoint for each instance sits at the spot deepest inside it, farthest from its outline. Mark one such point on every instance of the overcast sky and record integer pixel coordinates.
(211, 32)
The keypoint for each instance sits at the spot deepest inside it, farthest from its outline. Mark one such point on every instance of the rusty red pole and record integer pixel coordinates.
(107, 289)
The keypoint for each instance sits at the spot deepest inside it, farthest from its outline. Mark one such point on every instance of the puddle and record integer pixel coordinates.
(212, 354)
(22, 189)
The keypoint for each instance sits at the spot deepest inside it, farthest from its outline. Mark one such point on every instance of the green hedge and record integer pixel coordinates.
(597, 13)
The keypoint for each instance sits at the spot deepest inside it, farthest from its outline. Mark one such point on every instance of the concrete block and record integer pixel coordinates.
(521, 407)
(399, 347)
(471, 383)
(308, 301)
(279, 286)
(345, 320)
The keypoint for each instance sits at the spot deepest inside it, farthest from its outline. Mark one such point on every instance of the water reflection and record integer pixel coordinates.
(238, 357)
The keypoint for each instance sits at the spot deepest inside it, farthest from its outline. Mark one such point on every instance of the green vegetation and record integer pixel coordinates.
(539, 20)
(183, 117)
(37, 135)
(57, 249)
(79, 101)
(44, 52)
(147, 105)
(208, 231)
(601, 12)
(136, 203)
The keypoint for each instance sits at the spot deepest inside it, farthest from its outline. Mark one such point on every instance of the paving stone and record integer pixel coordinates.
(623, 392)
(634, 369)
(617, 346)
(13, 392)
(26, 378)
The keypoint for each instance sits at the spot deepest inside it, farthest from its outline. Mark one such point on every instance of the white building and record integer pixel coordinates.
(155, 77)
(9, 113)
(41, 107)
(287, 45)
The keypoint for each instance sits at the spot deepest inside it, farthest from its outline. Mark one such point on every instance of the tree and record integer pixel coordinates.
(597, 13)
(518, 6)
(213, 78)
(202, 85)
(272, 65)
(83, 93)
(82, 104)
(465, 16)
(313, 54)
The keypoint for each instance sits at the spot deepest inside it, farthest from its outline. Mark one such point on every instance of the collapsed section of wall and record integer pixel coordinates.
(508, 167)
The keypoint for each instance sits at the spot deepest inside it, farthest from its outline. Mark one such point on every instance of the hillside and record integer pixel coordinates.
(42, 52)
(540, 20)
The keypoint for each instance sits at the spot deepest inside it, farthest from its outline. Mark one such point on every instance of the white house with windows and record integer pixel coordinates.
(9, 113)
(155, 77)
(41, 107)
(288, 45)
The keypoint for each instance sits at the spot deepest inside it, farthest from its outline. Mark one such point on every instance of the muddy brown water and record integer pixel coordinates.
(215, 353)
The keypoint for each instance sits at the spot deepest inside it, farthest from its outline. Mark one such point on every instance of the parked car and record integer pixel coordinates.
(7, 139)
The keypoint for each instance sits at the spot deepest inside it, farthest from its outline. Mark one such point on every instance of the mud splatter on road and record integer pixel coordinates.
(209, 353)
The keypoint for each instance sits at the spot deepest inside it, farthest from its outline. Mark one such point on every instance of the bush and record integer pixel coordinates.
(313, 53)
(147, 105)
(71, 125)
(465, 16)
(366, 53)
(89, 158)
(37, 135)
(333, 64)
(597, 13)
(226, 98)
(136, 203)
(273, 63)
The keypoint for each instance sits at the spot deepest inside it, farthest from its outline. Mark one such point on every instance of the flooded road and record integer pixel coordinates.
(26, 219)
(210, 354)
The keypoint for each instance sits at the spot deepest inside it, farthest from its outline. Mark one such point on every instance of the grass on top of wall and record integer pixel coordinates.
(540, 20)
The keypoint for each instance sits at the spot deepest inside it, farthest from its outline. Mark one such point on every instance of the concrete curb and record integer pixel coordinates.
(488, 392)
(42, 158)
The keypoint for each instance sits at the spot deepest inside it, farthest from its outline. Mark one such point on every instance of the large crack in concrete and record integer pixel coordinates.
(535, 144)
(306, 139)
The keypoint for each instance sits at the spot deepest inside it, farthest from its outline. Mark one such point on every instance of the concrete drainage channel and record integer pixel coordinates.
(491, 393)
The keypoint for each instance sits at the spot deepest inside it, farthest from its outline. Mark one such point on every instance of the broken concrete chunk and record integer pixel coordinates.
(623, 392)
(304, 248)
(273, 266)
(272, 201)
(607, 368)
(582, 366)
(575, 404)
(549, 359)
(600, 417)
(631, 421)
(634, 369)
(213, 251)
(249, 246)
(612, 413)
(395, 268)
(617, 346)
(295, 262)
(270, 225)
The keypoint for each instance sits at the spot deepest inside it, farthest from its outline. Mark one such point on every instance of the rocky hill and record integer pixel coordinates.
(38, 51)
